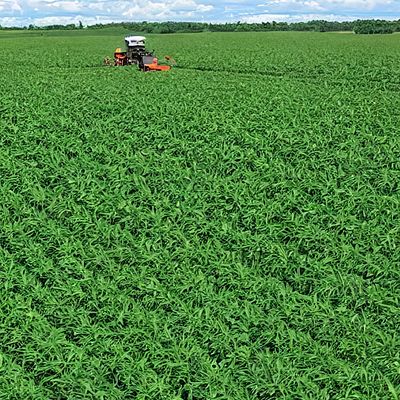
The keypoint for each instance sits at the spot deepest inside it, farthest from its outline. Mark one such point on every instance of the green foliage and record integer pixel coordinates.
(226, 230)
(375, 27)
(359, 26)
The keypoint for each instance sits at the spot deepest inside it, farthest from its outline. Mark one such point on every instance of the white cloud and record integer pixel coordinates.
(339, 5)
(338, 10)
(314, 5)
(10, 6)
(70, 6)
(303, 17)
(363, 4)
(42, 12)
(165, 9)
(266, 18)
(45, 12)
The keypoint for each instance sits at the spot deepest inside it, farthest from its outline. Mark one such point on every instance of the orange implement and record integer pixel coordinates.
(156, 67)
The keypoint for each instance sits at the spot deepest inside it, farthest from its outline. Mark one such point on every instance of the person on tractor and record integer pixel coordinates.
(120, 57)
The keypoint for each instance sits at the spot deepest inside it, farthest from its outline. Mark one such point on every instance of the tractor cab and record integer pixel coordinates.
(135, 41)
(135, 48)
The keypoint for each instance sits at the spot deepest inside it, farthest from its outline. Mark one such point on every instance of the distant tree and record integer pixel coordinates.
(359, 26)
(371, 27)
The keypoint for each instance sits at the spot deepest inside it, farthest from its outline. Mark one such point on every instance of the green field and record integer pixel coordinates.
(226, 230)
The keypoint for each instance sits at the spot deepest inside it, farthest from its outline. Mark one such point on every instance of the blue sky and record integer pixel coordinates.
(46, 12)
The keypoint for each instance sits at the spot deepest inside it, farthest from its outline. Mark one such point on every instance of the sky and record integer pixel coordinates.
(48, 12)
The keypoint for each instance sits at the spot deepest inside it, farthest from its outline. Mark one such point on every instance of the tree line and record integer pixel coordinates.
(358, 26)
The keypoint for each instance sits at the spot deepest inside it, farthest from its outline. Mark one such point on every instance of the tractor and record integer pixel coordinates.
(136, 54)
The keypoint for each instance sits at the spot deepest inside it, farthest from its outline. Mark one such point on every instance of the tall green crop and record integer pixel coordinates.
(226, 230)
